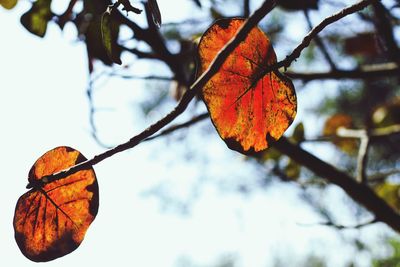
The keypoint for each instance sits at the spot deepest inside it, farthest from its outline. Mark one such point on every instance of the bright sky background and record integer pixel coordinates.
(43, 104)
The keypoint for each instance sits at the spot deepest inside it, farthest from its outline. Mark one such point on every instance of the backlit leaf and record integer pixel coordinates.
(8, 4)
(52, 218)
(106, 33)
(36, 19)
(247, 113)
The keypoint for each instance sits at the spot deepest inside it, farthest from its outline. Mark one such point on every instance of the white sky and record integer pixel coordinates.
(43, 105)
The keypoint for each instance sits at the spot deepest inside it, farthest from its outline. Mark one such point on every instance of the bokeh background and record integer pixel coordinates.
(185, 199)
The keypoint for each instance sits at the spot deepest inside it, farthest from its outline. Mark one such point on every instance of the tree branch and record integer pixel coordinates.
(319, 43)
(364, 72)
(343, 227)
(359, 192)
(362, 158)
(385, 30)
(246, 8)
(251, 22)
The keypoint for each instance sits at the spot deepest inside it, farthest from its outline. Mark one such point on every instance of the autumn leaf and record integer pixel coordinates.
(52, 218)
(332, 124)
(248, 112)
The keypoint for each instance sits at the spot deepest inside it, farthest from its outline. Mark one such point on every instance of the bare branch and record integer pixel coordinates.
(340, 226)
(358, 191)
(310, 36)
(364, 72)
(173, 128)
(320, 44)
(362, 158)
(246, 8)
(251, 22)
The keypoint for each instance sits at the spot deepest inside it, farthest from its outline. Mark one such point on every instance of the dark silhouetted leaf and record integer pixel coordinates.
(128, 7)
(36, 19)
(89, 24)
(52, 218)
(106, 33)
(247, 111)
(363, 44)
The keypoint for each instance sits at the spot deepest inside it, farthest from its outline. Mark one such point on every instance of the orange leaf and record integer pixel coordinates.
(332, 124)
(51, 219)
(247, 113)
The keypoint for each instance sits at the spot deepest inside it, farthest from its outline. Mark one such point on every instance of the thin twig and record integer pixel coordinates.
(363, 72)
(362, 158)
(136, 77)
(173, 128)
(340, 226)
(320, 44)
(310, 36)
(246, 8)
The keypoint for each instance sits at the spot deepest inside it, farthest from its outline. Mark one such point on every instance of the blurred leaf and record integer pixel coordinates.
(332, 124)
(248, 110)
(298, 133)
(390, 193)
(36, 19)
(363, 44)
(292, 170)
(8, 4)
(387, 114)
(106, 33)
(88, 23)
(52, 218)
